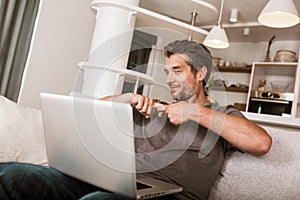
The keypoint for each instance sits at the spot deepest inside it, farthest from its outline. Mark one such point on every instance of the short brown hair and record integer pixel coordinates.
(197, 53)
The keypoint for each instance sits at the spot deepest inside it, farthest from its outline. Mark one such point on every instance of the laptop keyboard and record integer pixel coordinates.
(140, 186)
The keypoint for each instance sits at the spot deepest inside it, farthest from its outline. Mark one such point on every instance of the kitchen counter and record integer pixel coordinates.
(274, 120)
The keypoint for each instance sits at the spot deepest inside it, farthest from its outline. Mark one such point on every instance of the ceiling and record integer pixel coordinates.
(207, 17)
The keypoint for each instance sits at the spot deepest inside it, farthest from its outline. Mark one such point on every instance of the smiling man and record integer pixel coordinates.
(183, 143)
(202, 132)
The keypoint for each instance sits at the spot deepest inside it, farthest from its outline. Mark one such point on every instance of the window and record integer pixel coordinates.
(17, 19)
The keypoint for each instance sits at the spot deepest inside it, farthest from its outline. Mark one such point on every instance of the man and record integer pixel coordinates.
(184, 142)
(188, 66)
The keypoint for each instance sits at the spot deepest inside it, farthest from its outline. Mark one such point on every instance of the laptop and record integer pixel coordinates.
(93, 140)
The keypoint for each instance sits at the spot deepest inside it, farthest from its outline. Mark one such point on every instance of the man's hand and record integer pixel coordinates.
(178, 113)
(143, 104)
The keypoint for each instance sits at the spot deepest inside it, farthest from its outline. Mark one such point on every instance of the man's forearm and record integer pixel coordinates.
(240, 132)
(122, 98)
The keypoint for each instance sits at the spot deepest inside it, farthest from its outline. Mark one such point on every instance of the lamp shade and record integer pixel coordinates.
(216, 38)
(279, 14)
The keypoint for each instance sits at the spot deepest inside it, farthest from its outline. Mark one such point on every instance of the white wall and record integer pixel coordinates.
(62, 39)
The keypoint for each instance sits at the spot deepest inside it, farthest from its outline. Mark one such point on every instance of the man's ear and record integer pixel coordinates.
(201, 73)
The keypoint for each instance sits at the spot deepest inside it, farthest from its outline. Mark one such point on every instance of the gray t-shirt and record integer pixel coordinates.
(188, 155)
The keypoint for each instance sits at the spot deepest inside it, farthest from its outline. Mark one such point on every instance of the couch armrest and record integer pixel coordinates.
(272, 176)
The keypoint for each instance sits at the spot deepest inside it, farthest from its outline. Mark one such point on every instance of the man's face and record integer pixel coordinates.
(180, 78)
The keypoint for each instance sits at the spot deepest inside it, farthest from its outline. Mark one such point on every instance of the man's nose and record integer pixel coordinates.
(170, 77)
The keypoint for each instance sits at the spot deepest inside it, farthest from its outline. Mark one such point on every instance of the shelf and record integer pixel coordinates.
(231, 89)
(141, 11)
(130, 75)
(288, 96)
(236, 69)
(276, 63)
(209, 13)
(276, 71)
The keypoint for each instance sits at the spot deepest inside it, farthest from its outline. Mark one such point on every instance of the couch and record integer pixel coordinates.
(275, 175)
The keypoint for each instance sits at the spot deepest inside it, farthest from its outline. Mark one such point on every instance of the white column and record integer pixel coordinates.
(110, 47)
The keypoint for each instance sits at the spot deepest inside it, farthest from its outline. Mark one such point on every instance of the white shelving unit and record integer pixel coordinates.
(141, 12)
(275, 71)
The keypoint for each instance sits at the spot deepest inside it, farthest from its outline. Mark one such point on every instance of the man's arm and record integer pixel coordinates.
(143, 104)
(239, 131)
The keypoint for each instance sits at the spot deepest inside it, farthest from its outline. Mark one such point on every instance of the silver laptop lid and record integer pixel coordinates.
(77, 131)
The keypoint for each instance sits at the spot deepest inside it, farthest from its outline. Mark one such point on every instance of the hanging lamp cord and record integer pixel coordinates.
(221, 11)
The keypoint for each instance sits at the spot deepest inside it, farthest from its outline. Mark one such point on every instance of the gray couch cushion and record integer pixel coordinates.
(275, 175)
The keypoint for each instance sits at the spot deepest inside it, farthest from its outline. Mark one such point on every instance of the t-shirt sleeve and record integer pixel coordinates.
(230, 110)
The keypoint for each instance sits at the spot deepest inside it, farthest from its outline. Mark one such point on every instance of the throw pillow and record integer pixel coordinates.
(21, 134)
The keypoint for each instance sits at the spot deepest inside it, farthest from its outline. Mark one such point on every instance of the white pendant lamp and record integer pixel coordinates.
(279, 14)
(217, 37)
